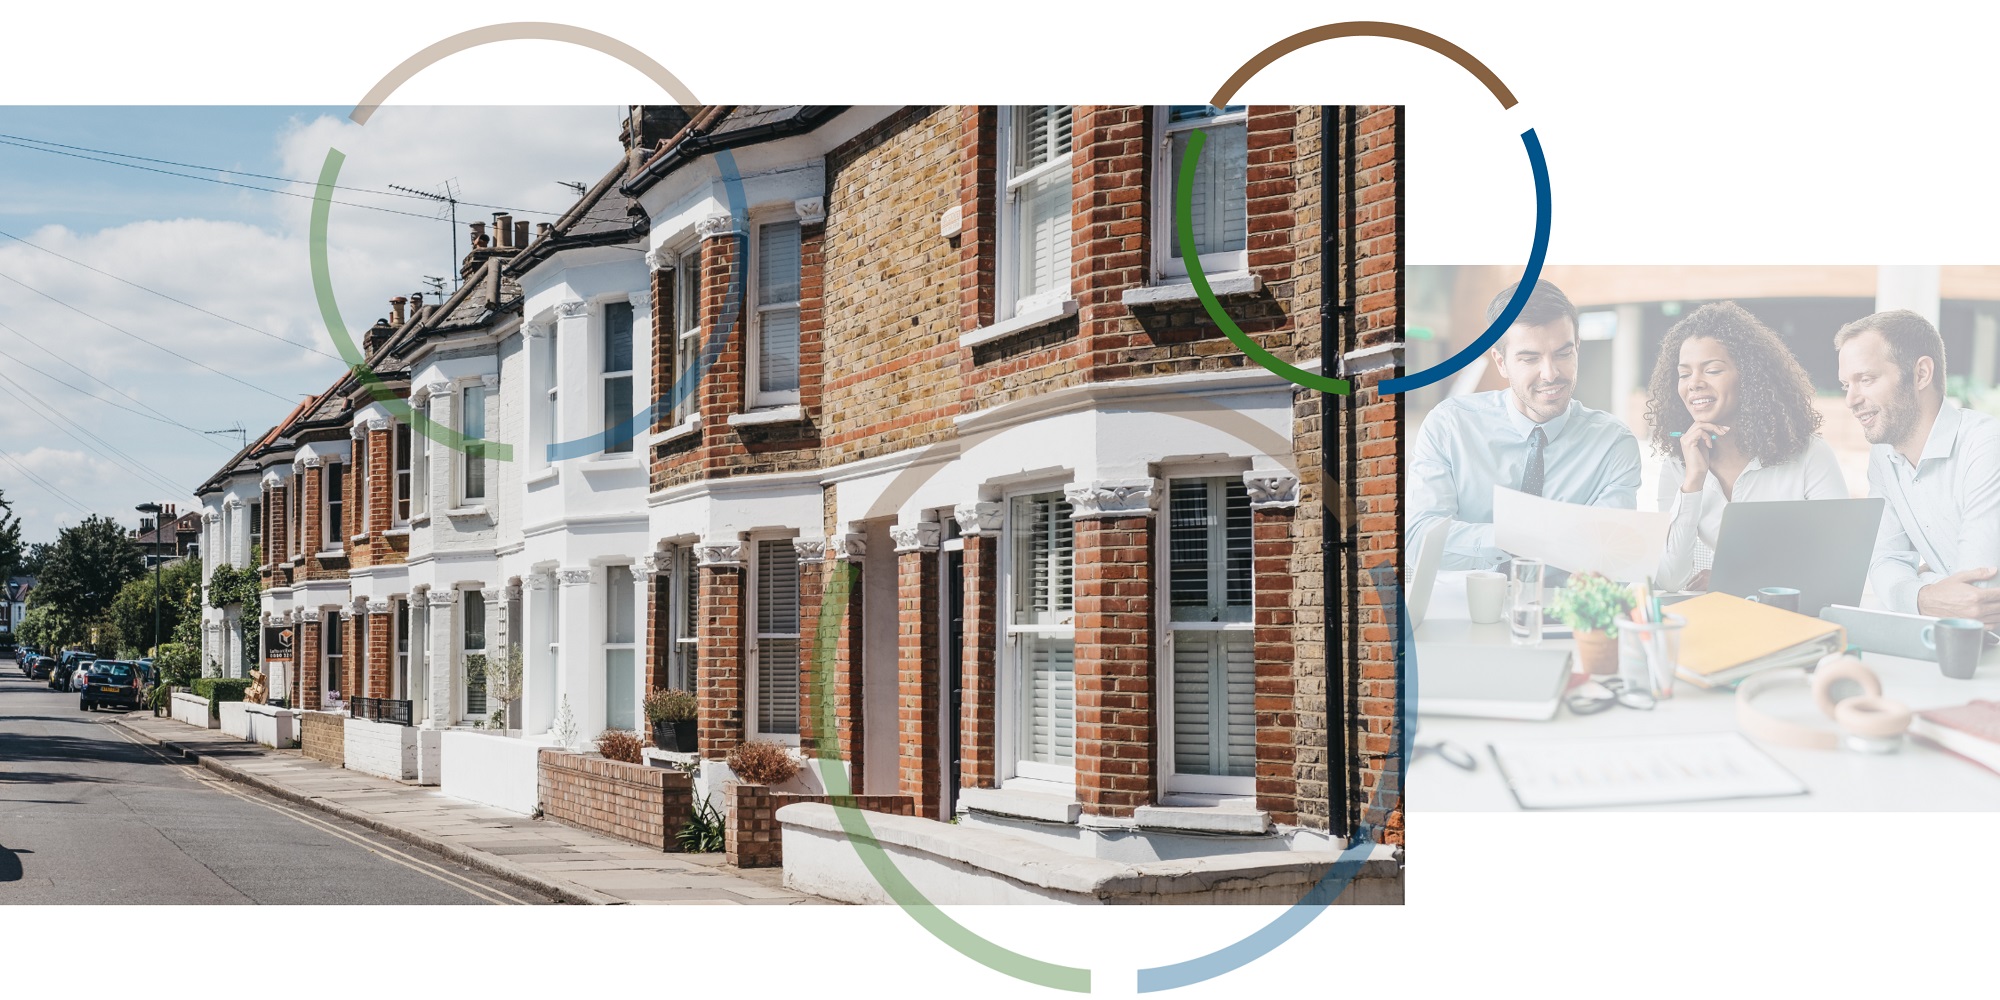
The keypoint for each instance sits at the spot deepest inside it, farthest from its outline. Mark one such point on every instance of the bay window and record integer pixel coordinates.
(1041, 636)
(775, 354)
(334, 477)
(472, 646)
(472, 425)
(420, 467)
(775, 648)
(617, 377)
(400, 439)
(620, 650)
(687, 336)
(334, 658)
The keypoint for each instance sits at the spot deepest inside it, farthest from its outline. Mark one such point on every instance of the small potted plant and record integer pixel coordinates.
(761, 762)
(1591, 605)
(671, 712)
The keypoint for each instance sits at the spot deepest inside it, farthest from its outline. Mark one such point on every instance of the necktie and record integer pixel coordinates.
(1531, 477)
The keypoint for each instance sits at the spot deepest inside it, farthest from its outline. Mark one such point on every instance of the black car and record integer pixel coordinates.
(108, 682)
(38, 667)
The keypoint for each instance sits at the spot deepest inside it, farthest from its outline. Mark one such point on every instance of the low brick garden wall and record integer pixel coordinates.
(645, 805)
(323, 736)
(752, 838)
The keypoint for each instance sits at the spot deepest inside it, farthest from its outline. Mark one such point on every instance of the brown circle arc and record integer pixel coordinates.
(546, 31)
(1363, 29)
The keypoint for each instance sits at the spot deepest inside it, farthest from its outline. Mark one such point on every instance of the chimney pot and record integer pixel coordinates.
(416, 305)
(478, 235)
(396, 310)
(503, 229)
(521, 233)
(542, 229)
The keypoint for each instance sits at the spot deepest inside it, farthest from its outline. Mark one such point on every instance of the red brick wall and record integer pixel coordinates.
(1274, 655)
(847, 671)
(979, 739)
(919, 710)
(381, 656)
(1114, 665)
(305, 650)
(719, 695)
(634, 802)
(751, 836)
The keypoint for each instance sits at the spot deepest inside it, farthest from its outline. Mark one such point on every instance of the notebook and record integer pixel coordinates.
(1639, 770)
(1728, 638)
(1971, 731)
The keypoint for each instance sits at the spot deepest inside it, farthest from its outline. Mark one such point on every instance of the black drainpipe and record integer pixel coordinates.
(1336, 316)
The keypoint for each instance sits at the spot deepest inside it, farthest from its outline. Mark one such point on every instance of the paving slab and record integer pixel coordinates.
(572, 865)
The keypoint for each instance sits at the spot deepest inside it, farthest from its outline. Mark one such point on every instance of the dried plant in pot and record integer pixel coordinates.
(1591, 605)
(761, 762)
(671, 712)
(617, 744)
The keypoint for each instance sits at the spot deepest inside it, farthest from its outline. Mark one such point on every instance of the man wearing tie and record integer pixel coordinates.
(1531, 436)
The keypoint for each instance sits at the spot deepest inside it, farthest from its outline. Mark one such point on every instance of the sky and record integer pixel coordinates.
(106, 389)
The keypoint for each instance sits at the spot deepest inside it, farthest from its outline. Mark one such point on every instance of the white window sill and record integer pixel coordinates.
(1182, 290)
(681, 430)
(1241, 820)
(332, 553)
(1021, 323)
(773, 415)
(612, 463)
(473, 510)
(1037, 805)
(548, 475)
(360, 537)
(420, 521)
(401, 529)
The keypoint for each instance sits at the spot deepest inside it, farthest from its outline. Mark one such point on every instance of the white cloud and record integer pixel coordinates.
(256, 272)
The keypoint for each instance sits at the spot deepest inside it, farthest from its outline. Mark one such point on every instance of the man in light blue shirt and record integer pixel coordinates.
(1531, 436)
(1937, 465)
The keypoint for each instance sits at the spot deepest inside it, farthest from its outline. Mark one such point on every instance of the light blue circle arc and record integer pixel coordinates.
(688, 381)
(1471, 352)
(1388, 793)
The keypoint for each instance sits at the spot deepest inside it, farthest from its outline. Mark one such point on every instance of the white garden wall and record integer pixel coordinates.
(492, 770)
(235, 718)
(381, 749)
(193, 710)
(277, 728)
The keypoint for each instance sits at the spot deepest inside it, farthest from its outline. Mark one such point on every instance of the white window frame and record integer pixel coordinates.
(295, 499)
(687, 332)
(462, 690)
(600, 358)
(1166, 629)
(420, 467)
(756, 397)
(402, 470)
(1165, 266)
(1013, 768)
(683, 589)
(612, 598)
(255, 531)
(544, 417)
(471, 453)
(753, 674)
(1008, 300)
(360, 624)
(400, 621)
(359, 473)
(332, 654)
(332, 506)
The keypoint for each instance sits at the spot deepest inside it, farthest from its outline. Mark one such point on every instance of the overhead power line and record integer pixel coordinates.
(44, 484)
(104, 449)
(89, 395)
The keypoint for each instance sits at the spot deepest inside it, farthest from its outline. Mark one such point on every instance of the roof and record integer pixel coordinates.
(720, 127)
(604, 216)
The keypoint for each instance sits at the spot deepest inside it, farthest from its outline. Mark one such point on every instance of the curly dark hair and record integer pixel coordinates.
(1775, 418)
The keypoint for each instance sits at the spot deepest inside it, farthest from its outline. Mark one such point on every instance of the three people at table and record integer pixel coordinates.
(1531, 436)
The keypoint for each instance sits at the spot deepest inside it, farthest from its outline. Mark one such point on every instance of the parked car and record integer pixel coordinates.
(107, 682)
(40, 667)
(62, 678)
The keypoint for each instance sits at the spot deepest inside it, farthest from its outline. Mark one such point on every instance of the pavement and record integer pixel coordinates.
(92, 815)
(567, 864)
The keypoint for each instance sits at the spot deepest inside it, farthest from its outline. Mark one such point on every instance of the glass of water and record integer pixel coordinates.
(1524, 613)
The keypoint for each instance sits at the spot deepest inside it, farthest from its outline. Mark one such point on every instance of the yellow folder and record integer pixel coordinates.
(1728, 638)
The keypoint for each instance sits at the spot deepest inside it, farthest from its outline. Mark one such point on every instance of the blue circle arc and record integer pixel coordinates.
(684, 385)
(1471, 352)
(1382, 803)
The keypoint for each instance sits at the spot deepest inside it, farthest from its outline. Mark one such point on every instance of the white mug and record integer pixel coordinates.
(1485, 596)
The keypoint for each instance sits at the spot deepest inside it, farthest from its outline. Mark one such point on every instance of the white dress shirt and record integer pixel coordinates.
(1814, 475)
(1943, 514)
(1471, 443)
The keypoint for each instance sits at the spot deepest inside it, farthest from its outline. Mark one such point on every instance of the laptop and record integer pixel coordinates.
(1484, 681)
(1429, 554)
(1820, 548)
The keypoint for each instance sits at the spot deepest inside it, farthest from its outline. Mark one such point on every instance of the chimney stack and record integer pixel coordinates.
(521, 234)
(503, 229)
(396, 310)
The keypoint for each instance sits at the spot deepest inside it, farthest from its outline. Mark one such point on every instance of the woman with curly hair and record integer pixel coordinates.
(1733, 413)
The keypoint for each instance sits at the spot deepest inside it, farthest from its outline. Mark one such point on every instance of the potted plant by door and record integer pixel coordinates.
(1591, 605)
(671, 712)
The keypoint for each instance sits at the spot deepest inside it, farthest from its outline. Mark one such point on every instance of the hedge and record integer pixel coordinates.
(220, 689)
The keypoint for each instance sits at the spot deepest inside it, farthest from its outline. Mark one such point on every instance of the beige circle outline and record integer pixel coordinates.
(547, 31)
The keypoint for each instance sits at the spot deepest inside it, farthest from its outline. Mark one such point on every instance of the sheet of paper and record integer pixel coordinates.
(1624, 545)
(1640, 770)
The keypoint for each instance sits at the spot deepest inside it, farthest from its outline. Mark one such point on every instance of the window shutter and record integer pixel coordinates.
(1050, 730)
(1215, 719)
(777, 643)
(778, 328)
(1218, 207)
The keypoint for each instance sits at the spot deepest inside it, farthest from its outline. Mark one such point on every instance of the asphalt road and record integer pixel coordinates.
(90, 814)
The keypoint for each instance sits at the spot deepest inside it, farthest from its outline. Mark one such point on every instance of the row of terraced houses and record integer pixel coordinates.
(922, 396)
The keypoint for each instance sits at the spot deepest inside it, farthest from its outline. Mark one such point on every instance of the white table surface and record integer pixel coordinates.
(1915, 778)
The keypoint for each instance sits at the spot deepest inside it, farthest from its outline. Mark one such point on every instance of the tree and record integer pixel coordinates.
(12, 554)
(82, 574)
(36, 559)
(46, 629)
(132, 609)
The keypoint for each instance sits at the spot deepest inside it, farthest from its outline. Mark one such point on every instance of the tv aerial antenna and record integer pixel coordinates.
(449, 199)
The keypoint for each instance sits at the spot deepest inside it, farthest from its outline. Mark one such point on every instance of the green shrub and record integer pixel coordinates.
(704, 832)
(220, 689)
(670, 705)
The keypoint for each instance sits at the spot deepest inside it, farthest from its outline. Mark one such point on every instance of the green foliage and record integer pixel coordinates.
(229, 585)
(132, 609)
(45, 628)
(670, 705)
(704, 832)
(1593, 603)
(505, 677)
(220, 689)
(12, 553)
(83, 573)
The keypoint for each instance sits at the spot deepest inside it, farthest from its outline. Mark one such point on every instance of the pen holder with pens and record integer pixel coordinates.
(1649, 653)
